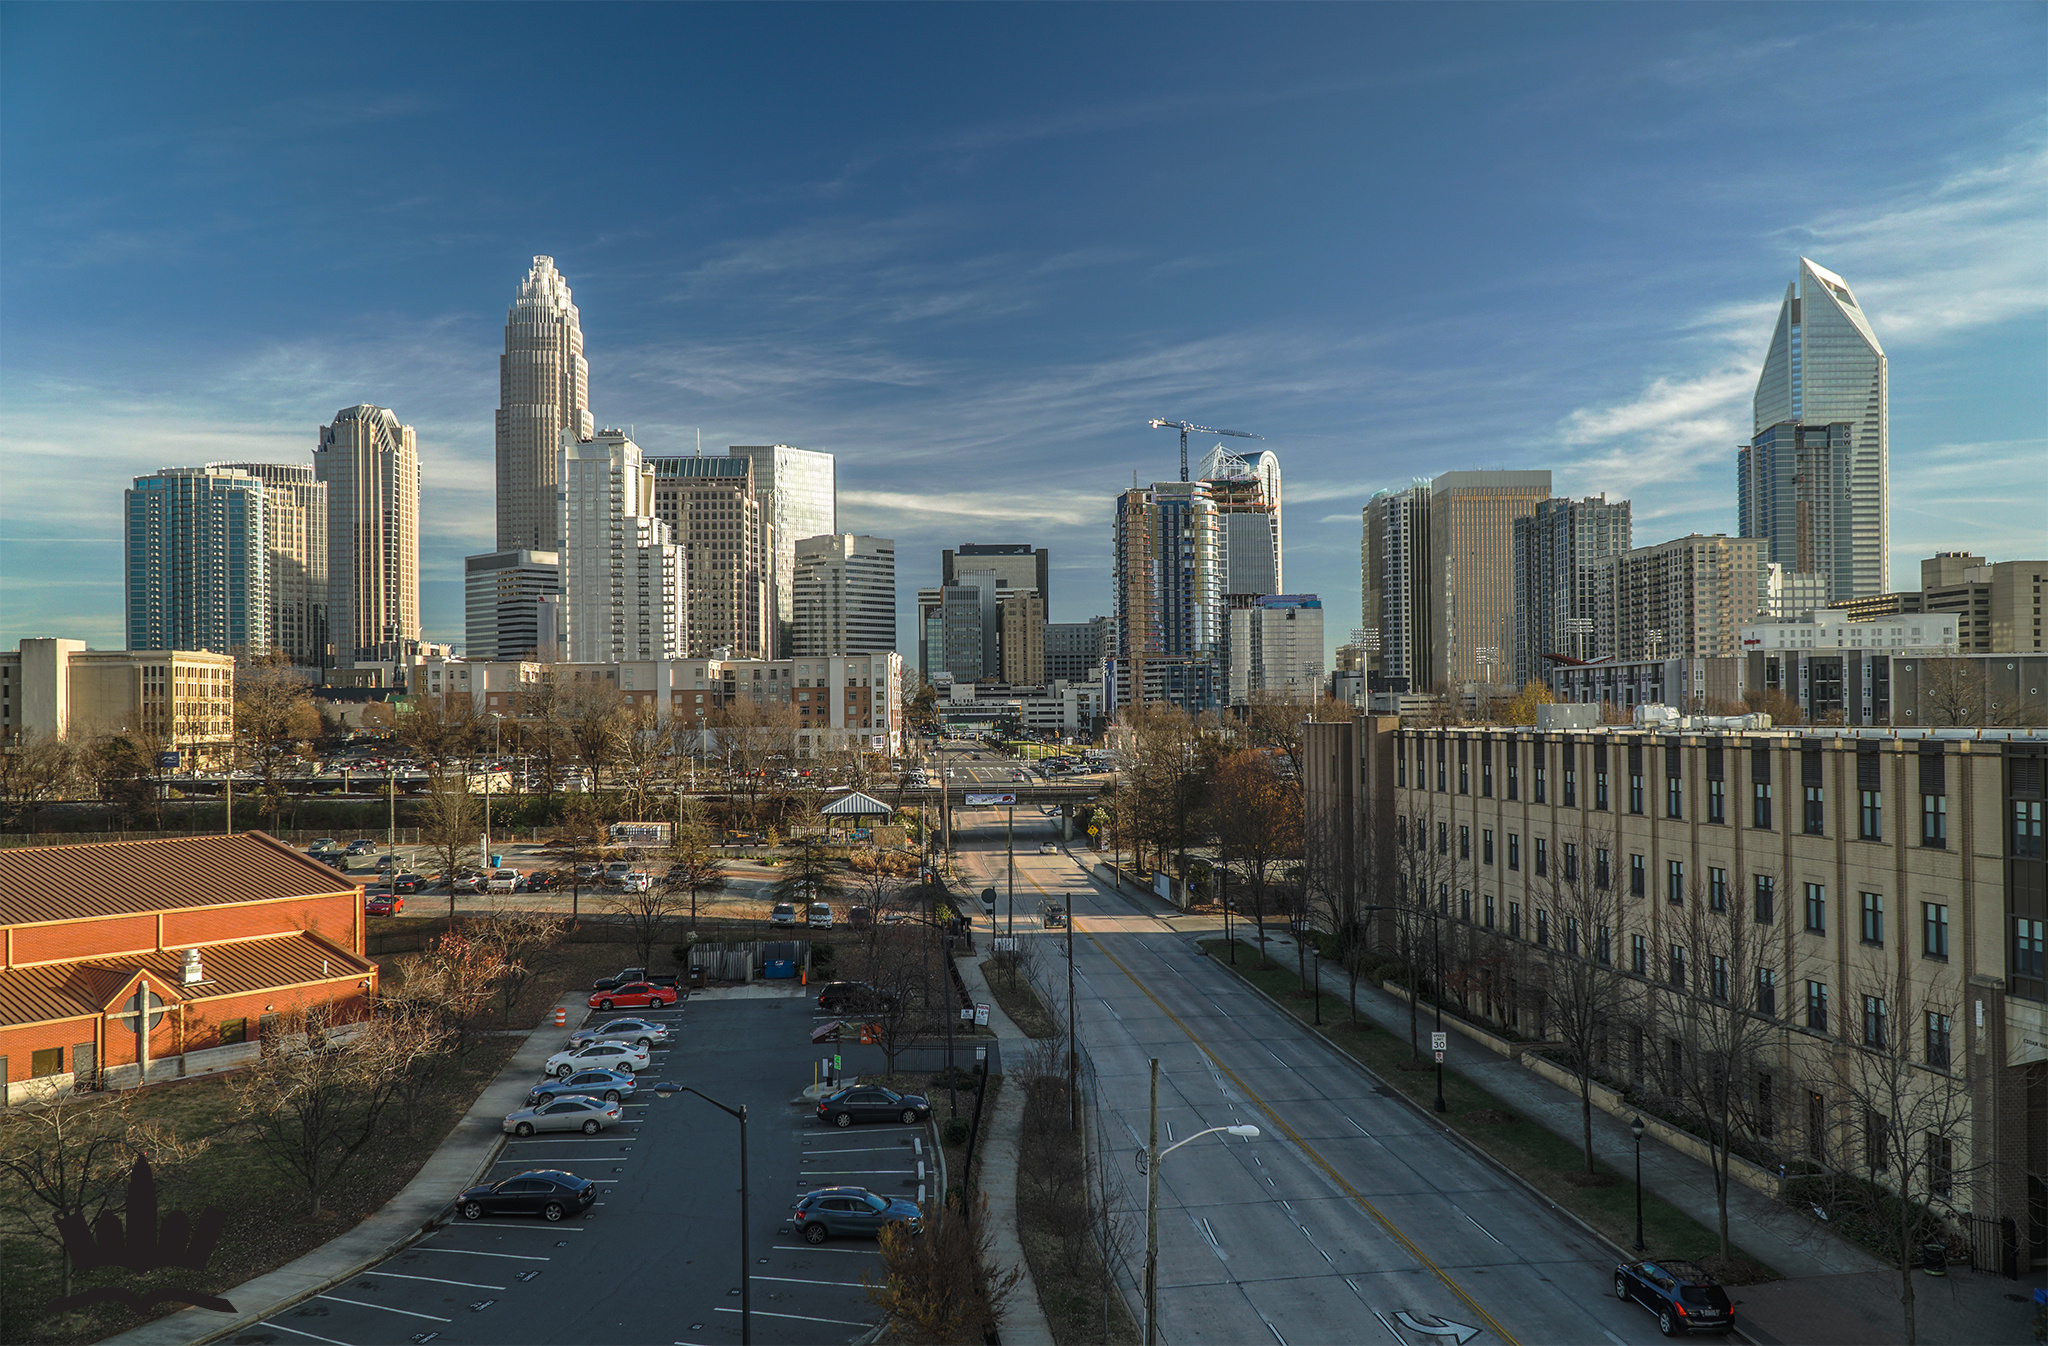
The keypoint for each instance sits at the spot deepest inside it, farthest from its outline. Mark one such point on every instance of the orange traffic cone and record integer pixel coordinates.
(561, 1017)
(866, 1037)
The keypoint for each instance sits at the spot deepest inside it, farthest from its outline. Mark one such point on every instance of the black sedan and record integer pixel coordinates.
(1684, 1295)
(547, 1192)
(872, 1103)
(842, 997)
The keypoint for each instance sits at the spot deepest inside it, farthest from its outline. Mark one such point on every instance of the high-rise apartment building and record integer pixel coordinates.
(1246, 489)
(1276, 649)
(1470, 581)
(295, 534)
(511, 604)
(1560, 605)
(371, 465)
(844, 595)
(197, 561)
(1815, 481)
(722, 524)
(1688, 598)
(1168, 570)
(623, 590)
(800, 487)
(543, 393)
(1075, 649)
(1393, 558)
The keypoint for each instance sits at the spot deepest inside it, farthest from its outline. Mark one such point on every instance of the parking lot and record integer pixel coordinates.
(657, 1258)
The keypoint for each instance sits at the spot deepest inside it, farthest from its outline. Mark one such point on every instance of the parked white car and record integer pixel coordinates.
(502, 881)
(599, 1056)
(636, 882)
(821, 916)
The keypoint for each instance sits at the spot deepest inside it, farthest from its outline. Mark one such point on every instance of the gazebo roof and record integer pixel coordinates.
(856, 805)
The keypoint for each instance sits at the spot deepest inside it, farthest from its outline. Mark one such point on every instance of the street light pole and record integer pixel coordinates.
(1153, 1157)
(1436, 939)
(746, 1254)
(1635, 1128)
(1010, 846)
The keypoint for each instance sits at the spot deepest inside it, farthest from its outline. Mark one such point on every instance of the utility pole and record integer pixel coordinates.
(1073, 1042)
(1152, 1216)
(1010, 845)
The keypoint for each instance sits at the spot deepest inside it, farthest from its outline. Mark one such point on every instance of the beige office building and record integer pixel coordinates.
(371, 466)
(53, 688)
(1470, 579)
(844, 595)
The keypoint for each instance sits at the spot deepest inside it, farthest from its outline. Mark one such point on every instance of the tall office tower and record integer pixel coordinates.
(1997, 606)
(1789, 595)
(1023, 639)
(1276, 649)
(1167, 566)
(1246, 489)
(844, 595)
(295, 532)
(198, 561)
(371, 465)
(1560, 606)
(511, 601)
(1815, 480)
(1687, 598)
(1471, 569)
(623, 590)
(1394, 571)
(1074, 648)
(968, 639)
(543, 393)
(801, 489)
(721, 523)
(1016, 566)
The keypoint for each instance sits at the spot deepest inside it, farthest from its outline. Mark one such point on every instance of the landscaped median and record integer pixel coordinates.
(1555, 1167)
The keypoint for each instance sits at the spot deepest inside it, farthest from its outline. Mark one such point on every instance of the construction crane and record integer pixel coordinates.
(1184, 427)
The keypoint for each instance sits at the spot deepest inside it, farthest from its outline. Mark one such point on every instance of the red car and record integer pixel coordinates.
(634, 995)
(383, 904)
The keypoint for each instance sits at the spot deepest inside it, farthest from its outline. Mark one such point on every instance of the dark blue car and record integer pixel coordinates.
(1684, 1295)
(850, 1212)
(613, 1086)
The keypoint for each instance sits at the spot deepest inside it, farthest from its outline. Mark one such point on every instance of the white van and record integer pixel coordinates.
(502, 881)
(821, 916)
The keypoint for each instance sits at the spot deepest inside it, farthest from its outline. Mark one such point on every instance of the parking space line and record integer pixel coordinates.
(366, 1304)
(805, 1248)
(401, 1276)
(536, 1228)
(471, 1252)
(799, 1317)
(798, 1280)
(862, 1149)
(295, 1331)
(840, 1172)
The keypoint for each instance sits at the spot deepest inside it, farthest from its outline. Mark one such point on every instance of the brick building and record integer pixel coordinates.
(205, 937)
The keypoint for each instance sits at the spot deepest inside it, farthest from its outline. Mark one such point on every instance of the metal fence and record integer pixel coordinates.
(1993, 1244)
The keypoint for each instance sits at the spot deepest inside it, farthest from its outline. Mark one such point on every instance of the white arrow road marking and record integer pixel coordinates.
(1437, 1327)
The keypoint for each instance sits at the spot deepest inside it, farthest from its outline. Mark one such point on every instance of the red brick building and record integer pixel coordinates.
(128, 961)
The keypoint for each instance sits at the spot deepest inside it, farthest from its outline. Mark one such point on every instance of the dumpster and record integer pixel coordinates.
(778, 959)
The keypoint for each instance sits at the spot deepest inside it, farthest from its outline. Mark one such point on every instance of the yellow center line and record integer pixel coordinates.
(1288, 1131)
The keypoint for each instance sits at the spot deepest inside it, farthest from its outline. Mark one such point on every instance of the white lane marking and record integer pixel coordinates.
(1480, 1227)
(797, 1280)
(366, 1304)
(536, 1228)
(567, 1140)
(1361, 1130)
(470, 1252)
(858, 1149)
(841, 1322)
(1382, 1317)
(801, 1248)
(295, 1331)
(401, 1276)
(833, 1172)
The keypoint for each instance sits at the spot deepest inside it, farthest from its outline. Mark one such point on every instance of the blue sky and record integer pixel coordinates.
(971, 249)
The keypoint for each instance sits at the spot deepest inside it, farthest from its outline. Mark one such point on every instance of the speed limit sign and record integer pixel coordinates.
(1439, 1042)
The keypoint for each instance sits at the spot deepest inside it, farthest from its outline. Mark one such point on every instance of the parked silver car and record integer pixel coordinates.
(639, 1032)
(574, 1113)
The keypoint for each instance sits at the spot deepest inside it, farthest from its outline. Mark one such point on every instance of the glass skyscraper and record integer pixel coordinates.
(1815, 481)
(198, 564)
(543, 390)
(801, 490)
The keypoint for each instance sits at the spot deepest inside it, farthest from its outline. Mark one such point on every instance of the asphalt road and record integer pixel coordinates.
(657, 1259)
(1353, 1219)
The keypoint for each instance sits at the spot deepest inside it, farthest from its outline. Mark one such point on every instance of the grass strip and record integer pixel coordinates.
(1540, 1157)
(1055, 1223)
(1013, 991)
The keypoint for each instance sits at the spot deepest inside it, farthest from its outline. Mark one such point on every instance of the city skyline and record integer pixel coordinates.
(975, 378)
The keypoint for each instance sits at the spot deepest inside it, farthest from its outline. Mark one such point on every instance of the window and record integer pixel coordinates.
(1443, 838)
(1571, 935)
(1488, 901)
(1603, 865)
(1817, 1006)
(1486, 845)
(1717, 889)
(1440, 766)
(1678, 966)
(1717, 801)
(1766, 899)
(1817, 908)
(1816, 811)
(1542, 856)
(1874, 1017)
(1514, 774)
(1571, 862)
(1600, 788)
(1401, 762)
(1514, 920)
(1401, 830)
(1464, 842)
(1717, 977)
(1873, 918)
(1514, 850)
(1638, 877)
(1464, 772)
(1603, 947)
(1760, 805)
(233, 1031)
(1674, 796)
(1638, 956)
(1443, 899)
(1421, 834)
(1541, 783)
(48, 1061)
(1465, 905)
(1764, 1119)
(1766, 992)
(1938, 1031)
(2026, 948)
(1635, 792)
(1870, 815)
(1941, 1164)
(1876, 1141)
(2026, 829)
(1934, 821)
(1571, 787)
(1543, 927)
(1674, 881)
(1816, 1125)
(1486, 770)
(1934, 929)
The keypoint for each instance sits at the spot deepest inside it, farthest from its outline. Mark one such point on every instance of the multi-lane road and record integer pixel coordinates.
(1354, 1218)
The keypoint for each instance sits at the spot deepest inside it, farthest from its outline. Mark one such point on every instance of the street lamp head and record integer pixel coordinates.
(1248, 1132)
(1635, 1128)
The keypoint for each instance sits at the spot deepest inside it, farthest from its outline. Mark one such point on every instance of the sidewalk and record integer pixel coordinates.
(1023, 1321)
(463, 1157)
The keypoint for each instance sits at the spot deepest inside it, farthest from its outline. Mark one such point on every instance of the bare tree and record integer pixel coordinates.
(314, 1102)
(1257, 819)
(1579, 991)
(942, 1284)
(274, 723)
(596, 724)
(695, 869)
(33, 770)
(644, 756)
(451, 825)
(440, 730)
(1169, 780)
(646, 916)
(529, 943)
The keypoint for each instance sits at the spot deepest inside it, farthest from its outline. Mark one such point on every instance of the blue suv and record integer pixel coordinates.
(1684, 1295)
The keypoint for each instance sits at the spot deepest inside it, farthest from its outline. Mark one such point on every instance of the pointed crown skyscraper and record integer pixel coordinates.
(543, 393)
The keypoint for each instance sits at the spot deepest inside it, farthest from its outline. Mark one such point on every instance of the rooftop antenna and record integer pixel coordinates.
(700, 441)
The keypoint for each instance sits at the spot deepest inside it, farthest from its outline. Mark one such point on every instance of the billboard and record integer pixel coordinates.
(975, 801)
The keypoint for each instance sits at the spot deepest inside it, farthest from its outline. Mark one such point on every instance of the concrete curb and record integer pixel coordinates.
(420, 1207)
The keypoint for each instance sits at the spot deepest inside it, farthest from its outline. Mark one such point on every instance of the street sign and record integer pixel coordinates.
(1439, 1058)
(988, 898)
(974, 801)
(981, 1014)
(966, 1013)
(1439, 1042)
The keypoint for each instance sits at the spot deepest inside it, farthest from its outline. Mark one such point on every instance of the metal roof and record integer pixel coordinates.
(117, 878)
(856, 805)
(69, 990)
